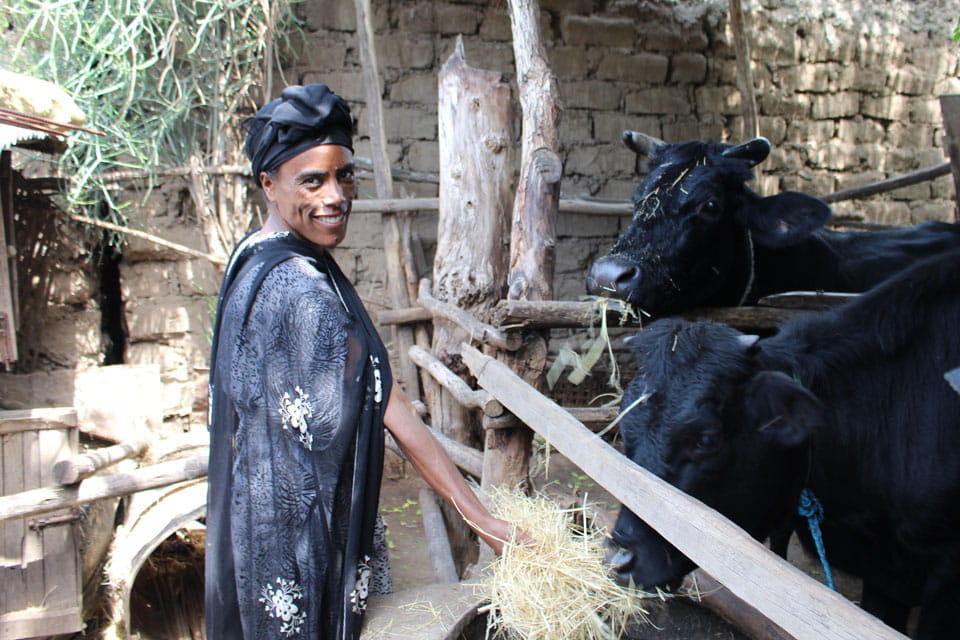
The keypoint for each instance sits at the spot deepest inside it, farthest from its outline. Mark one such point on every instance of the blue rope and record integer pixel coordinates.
(811, 509)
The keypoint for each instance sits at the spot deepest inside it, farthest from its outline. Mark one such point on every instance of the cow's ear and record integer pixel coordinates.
(785, 219)
(781, 408)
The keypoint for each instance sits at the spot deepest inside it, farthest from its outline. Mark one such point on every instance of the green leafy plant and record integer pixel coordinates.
(166, 80)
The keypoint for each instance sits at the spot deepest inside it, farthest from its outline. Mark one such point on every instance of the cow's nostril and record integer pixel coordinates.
(613, 276)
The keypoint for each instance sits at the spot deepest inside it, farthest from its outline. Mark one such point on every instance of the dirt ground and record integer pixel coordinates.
(676, 620)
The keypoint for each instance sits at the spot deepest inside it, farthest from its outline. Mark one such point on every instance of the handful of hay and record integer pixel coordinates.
(560, 586)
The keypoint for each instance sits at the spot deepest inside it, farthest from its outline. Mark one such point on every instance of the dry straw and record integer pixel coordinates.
(560, 586)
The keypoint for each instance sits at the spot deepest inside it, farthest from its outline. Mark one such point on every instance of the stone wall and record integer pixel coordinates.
(847, 93)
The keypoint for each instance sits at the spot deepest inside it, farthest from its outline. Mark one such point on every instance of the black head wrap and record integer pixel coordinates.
(302, 117)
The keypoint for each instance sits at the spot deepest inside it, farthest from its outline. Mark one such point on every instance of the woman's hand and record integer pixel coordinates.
(497, 532)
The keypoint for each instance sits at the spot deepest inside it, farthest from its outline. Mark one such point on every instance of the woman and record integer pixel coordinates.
(300, 390)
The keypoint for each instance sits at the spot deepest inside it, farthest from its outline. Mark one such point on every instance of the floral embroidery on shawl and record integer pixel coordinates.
(294, 413)
(279, 603)
(358, 597)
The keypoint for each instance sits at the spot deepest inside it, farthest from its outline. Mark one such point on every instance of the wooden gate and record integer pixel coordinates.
(39, 557)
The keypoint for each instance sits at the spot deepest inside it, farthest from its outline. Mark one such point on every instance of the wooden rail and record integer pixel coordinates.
(795, 602)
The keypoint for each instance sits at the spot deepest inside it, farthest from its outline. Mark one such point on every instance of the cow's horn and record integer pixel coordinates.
(641, 142)
(752, 152)
(747, 340)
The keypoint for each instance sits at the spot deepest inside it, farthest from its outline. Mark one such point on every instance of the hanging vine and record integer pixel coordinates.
(167, 80)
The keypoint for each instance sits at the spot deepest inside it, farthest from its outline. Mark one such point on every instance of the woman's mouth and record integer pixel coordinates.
(329, 220)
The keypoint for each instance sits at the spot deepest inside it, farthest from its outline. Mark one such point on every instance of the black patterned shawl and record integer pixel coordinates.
(299, 381)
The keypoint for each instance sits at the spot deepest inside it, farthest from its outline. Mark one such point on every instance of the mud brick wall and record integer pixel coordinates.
(846, 97)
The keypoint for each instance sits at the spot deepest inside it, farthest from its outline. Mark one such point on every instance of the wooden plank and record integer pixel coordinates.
(32, 547)
(14, 586)
(61, 571)
(47, 499)
(799, 604)
(34, 419)
(35, 623)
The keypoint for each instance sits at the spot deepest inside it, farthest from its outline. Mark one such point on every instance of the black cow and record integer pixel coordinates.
(851, 403)
(700, 237)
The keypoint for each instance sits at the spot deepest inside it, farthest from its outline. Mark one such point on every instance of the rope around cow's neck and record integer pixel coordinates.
(811, 509)
(751, 270)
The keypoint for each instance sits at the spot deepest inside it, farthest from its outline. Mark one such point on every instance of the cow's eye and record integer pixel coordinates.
(710, 208)
(706, 444)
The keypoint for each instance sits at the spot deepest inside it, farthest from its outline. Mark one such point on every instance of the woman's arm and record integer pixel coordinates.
(434, 465)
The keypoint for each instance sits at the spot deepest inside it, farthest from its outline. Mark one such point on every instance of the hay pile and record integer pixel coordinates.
(560, 586)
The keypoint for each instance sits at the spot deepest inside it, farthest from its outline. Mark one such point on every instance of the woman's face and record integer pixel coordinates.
(311, 193)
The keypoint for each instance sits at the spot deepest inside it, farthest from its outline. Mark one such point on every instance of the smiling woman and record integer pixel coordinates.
(300, 392)
(310, 195)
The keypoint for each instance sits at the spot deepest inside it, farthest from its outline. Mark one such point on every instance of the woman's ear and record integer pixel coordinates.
(267, 184)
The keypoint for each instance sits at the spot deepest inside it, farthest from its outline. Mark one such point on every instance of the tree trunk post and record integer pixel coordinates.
(477, 162)
(506, 459)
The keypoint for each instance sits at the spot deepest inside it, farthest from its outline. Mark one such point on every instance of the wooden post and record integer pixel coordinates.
(533, 232)
(477, 158)
(950, 107)
(741, 45)
(8, 285)
(797, 603)
(403, 337)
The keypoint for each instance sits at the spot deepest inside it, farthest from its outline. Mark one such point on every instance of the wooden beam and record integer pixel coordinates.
(77, 468)
(454, 384)
(477, 330)
(46, 499)
(797, 603)
(34, 419)
(890, 184)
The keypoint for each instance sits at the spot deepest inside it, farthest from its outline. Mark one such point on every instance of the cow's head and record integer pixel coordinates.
(709, 424)
(695, 222)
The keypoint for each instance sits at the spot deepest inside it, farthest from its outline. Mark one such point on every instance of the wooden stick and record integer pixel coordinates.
(453, 383)
(83, 466)
(748, 96)
(405, 372)
(478, 330)
(46, 499)
(883, 186)
(800, 605)
(179, 248)
(438, 543)
(404, 316)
